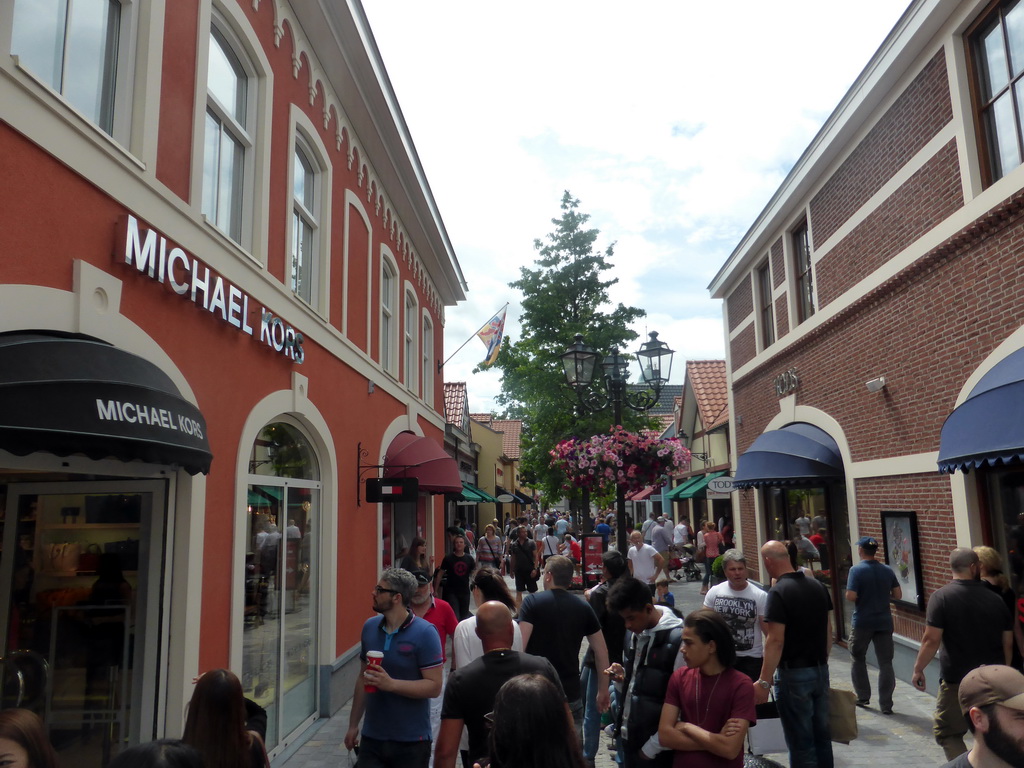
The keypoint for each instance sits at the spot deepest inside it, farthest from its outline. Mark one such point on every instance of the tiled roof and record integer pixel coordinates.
(511, 431)
(455, 403)
(666, 399)
(711, 390)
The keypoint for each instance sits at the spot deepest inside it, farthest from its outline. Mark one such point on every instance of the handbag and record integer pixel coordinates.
(89, 560)
(842, 715)
(767, 737)
(701, 556)
(62, 557)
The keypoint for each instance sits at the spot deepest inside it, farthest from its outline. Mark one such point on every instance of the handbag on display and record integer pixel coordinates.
(842, 715)
(89, 560)
(62, 557)
(767, 738)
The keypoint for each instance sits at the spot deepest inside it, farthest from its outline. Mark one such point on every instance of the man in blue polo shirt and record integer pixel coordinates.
(870, 586)
(396, 728)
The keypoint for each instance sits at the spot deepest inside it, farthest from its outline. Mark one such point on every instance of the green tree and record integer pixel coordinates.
(564, 294)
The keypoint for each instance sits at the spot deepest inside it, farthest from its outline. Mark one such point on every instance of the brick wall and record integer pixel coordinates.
(743, 348)
(926, 330)
(927, 198)
(913, 119)
(740, 303)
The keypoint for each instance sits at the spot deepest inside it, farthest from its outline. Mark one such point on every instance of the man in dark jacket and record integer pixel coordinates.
(652, 656)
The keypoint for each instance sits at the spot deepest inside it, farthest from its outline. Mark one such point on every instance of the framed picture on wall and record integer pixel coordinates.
(903, 554)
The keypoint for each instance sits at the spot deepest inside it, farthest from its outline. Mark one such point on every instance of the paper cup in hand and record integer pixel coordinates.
(373, 659)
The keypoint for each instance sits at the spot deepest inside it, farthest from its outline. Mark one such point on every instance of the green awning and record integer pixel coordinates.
(475, 495)
(673, 495)
(698, 490)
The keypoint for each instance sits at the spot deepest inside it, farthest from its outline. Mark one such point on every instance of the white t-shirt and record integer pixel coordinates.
(466, 646)
(742, 611)
(549, 546)
(681, 534)
(803, 524)
(643, 562)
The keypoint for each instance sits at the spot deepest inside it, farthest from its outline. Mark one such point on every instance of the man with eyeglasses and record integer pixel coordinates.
(396, 726)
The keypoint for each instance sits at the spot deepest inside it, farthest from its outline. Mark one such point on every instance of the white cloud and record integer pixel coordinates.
(673, 123)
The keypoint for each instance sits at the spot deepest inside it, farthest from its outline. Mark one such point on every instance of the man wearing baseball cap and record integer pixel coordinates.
(992, 700)
(870, 586)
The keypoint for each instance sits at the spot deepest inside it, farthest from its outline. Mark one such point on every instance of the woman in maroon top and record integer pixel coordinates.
(708, 705)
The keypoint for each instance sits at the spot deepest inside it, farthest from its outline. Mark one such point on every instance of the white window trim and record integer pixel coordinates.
(387, 261)
(302, 132)
(232, 23)
(352, 200)
(410, 338)
(136, 80)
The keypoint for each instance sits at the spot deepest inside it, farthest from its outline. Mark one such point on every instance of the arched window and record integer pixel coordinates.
(388, 316)
(280, 616)
(229, 135)
(410, 359)
(305, 226)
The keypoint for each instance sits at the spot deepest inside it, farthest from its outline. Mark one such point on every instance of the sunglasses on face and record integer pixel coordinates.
(378, 589)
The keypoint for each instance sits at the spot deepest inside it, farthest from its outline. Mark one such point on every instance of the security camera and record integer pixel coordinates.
(875, 385)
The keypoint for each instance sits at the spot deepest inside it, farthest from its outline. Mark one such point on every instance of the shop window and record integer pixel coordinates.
(305, 226)
(428, 357)
(388, 321)
(803, 273)
(996, 59)
(80, 49)
(410, 359)
(228, 135)
(280, 575)
(764, 292)
(1004, 489)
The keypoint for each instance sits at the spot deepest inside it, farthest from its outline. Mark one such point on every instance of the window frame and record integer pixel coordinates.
(803, 271)
(766, 310)
(242, 135)
(124, 74)
(992, 16)
(410, 339)
(388, 315)
(427, 357)
(303, 137)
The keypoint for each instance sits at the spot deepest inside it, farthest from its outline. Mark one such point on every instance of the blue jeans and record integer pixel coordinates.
(802, 695)
(589, 680)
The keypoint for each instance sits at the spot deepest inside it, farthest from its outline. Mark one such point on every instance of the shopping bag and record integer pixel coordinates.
(767, 737)
(842, 715)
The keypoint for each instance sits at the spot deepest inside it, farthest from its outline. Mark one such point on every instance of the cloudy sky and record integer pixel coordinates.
(672, 122)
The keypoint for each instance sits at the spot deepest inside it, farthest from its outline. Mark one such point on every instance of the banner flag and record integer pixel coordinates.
(491, 335)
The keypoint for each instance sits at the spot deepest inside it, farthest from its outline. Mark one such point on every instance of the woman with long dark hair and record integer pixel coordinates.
(532, 727)
(225, 728)
(23, 740)
(416, 559)
(487, 584)
(709, 704)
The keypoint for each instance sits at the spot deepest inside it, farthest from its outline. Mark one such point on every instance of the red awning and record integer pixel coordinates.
(410, 455)
(641, 495)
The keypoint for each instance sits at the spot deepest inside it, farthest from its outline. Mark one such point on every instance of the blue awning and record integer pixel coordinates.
(988, 427)
(796, 454)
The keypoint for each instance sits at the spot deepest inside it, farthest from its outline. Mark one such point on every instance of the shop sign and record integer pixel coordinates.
(787, 382)
(151, 254)
(720, 487)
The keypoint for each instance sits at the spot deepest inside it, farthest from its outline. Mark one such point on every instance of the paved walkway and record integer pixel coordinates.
(903, 739)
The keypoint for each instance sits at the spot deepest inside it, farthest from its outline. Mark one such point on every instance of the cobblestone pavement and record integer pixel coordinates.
(903, 739)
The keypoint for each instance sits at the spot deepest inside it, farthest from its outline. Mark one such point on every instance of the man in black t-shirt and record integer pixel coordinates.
(523, 552)
(796, 657)
(469, 695)
(973, 627)
(554, 623)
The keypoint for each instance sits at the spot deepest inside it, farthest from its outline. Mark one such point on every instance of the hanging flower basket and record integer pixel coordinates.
(620, 458)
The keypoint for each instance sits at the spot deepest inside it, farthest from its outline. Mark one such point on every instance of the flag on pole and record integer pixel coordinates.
(491, 335)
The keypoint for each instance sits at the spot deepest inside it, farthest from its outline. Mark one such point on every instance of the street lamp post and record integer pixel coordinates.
(580, 364)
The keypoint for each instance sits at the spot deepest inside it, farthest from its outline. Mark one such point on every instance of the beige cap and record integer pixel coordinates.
(992, 684)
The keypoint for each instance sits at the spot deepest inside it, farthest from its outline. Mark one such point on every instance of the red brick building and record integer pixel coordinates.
(878, 295)
(223, 281)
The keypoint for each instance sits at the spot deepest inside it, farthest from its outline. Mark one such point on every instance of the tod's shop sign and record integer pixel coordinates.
(152, 255)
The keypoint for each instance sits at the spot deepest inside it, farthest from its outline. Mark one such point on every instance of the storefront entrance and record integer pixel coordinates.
(821, 512)
(81, 595)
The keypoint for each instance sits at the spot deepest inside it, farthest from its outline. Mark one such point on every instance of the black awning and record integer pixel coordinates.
(66, 394)
(988, 427)
(796, 454)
